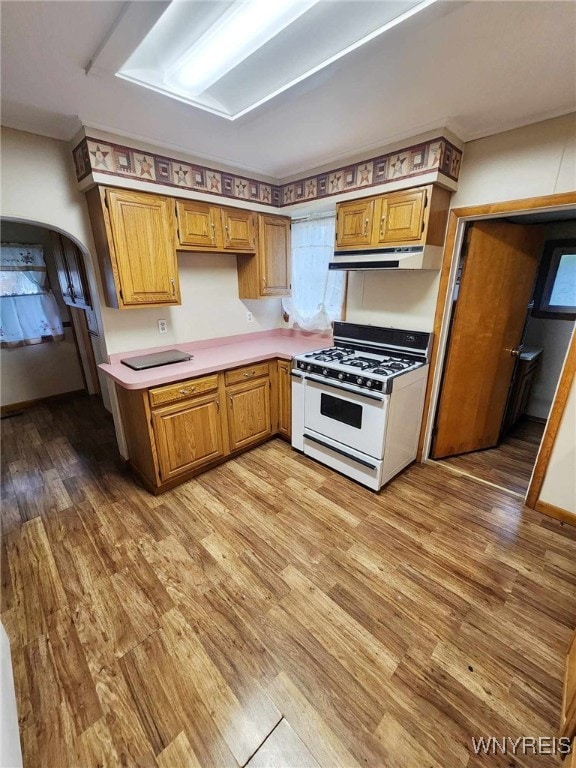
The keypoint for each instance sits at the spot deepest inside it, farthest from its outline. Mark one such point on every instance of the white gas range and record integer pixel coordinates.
(357, 406)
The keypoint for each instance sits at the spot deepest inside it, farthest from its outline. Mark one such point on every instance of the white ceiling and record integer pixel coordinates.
(476, 68)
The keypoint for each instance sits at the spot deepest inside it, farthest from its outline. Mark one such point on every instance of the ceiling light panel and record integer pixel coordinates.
(230, 57)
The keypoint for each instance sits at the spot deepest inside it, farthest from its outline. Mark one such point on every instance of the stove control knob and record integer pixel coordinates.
(308, 367)
(302, 365)
(325, 371)
(340, 376)
(359, 380)
(368, 383)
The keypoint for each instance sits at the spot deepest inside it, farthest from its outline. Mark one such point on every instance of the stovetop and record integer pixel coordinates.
(372, 361)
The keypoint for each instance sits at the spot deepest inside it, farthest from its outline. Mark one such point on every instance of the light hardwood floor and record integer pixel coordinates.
(271, 612)
(510, 464)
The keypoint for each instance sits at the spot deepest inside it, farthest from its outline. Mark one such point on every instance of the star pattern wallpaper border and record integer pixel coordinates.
(96, 156)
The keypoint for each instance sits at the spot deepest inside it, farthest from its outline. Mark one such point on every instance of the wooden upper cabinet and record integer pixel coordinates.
(354, 223)
(400, 217)
(238, 229)
(409, 217)
(267, 273)
(274, 254)
(135, 236)
(199, 226)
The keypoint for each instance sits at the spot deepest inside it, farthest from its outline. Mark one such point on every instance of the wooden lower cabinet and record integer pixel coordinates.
(188, 435)
(568, 718)
(178, 430)
(284, 398)
(249, 415)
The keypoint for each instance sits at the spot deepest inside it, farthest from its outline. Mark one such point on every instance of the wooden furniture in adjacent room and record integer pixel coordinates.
(71, 272)
(528, 363)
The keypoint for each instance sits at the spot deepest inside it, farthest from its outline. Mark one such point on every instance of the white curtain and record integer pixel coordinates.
(317, 292)
(28, 310)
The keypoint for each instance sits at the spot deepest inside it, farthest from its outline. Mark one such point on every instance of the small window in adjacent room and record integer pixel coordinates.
(28, 310)
(555, 292)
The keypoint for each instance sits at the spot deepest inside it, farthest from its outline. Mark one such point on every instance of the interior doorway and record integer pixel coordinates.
(504, 352)
(58, 358)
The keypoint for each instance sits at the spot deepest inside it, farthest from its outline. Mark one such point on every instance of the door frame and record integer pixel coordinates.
(458, 219)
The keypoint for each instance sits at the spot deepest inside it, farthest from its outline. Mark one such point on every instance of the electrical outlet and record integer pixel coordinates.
(249, 317)
(162, 326)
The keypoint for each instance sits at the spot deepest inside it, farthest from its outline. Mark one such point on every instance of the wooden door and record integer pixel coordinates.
(188, 435)
(143, 230)
(274, 254)
(249, 417)
(199, 225)
(354, 223)
(498, 274)
(239, 229)
(400, 217)
(284, 398)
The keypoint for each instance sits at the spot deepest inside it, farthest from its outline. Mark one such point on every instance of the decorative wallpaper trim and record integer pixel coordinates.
(94, 156)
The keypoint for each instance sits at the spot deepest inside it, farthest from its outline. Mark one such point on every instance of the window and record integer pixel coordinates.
(317, 293)
(28, 310)
(555, 292)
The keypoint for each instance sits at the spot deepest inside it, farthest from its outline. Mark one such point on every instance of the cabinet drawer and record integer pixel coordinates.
(182, 389)
(246, 373)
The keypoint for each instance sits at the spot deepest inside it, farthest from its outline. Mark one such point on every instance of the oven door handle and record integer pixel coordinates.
(328, 383)
(296, 374)
(340, 451)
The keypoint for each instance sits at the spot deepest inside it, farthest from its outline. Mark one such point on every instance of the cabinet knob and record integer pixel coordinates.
(187, 391)
(213, 231)
(173, 285)
(365, 227)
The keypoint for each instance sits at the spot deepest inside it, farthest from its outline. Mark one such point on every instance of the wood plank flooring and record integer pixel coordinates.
(510, 464)
(270, 612)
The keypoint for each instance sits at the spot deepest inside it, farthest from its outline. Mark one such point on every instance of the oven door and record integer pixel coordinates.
(351, 418)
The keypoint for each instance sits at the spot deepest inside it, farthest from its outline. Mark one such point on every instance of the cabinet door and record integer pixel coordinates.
(199, 225)
(354, 223)
(238, 227)
(188, 435)
(143, 231)
(401, 217)
(284, 398)
(274, 255)
(249, 417)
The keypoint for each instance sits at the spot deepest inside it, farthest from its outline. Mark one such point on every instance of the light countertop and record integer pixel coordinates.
(213, 355)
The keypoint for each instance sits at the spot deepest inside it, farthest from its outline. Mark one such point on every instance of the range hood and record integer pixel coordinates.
(406, 257)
